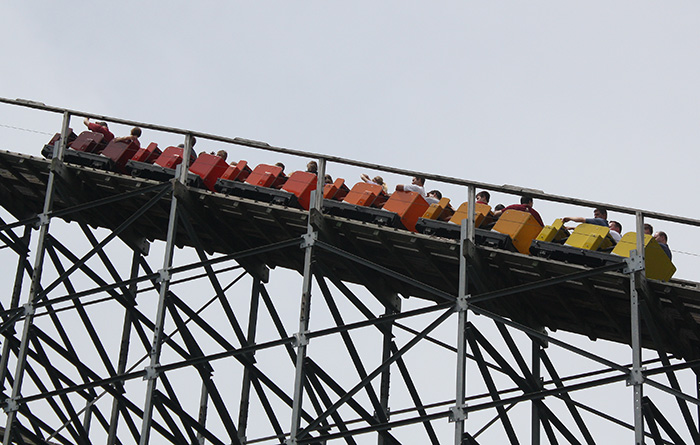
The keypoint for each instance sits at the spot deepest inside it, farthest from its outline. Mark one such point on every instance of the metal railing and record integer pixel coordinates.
(505, 188)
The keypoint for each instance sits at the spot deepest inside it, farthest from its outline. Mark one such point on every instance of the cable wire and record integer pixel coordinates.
(25, 129)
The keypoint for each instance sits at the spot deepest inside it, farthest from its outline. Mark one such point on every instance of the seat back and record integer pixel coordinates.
(209, 168)
(590, 237)
(238, 172)
(301, 184)
(522, 228)
(365, 194)
(338, 190)
(120, 152)
(439, 210)
(658, 265)
(88, 142)
(482, 214)
(170, 158)
(409, 206)
(265, 175)
(554, 232)
(147, 154)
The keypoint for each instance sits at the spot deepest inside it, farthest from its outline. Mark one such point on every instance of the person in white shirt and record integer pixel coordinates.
(417, 185)
(433, 197)
(615, 230)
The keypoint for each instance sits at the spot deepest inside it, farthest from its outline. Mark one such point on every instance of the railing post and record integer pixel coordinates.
(636, 379)
(536, 376)
(151, 373)
(467, 235)
(202, 415)
(123, 352)
(305, 307)
(11, 406)
(385, 380)
(87, 417)
(14, 302)
(245, 390)
(189, 144)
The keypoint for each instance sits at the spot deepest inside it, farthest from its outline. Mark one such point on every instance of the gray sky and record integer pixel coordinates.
(594, 100)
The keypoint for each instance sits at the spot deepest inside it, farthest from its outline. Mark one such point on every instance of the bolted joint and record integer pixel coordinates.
(142, 245)
(543, 342)
(9, 331)
(468, 248)
(387, 413)
(117, 388)
(57, 165)
(163, 276)
(635, 263)
(463, 303)
(43, 220)
(151, 373)
(10, 406)
(457, 413)
(300, 339)
(309, 239)
(28, 309)
(636, 377)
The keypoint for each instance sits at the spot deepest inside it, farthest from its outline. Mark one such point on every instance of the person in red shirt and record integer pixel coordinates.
(483, 197)
(99, 127)
(524, 206)
(133, 137)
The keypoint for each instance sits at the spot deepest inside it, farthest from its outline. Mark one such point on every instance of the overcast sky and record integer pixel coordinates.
(595, 100)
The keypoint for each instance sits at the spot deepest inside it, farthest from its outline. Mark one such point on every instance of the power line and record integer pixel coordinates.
(25, 129)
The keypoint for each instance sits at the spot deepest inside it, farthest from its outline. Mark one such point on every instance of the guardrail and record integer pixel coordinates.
(505, 188)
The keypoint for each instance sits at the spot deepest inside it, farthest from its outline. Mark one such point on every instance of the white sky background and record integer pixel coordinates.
(594, 100)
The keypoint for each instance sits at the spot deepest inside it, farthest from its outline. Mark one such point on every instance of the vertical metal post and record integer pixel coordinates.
(305, 309)
(245, 390)
(203, 407)
(87, 418)
(467, 234)
(385, 381)
(189, 143)
(535, 423)
(471, 218)
(44, 218)
(165, 277)
(123, 352)
(636, 378)
(14, 302)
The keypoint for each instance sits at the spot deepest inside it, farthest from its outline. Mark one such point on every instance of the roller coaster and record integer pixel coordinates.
(367, 202)
(72, 384)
